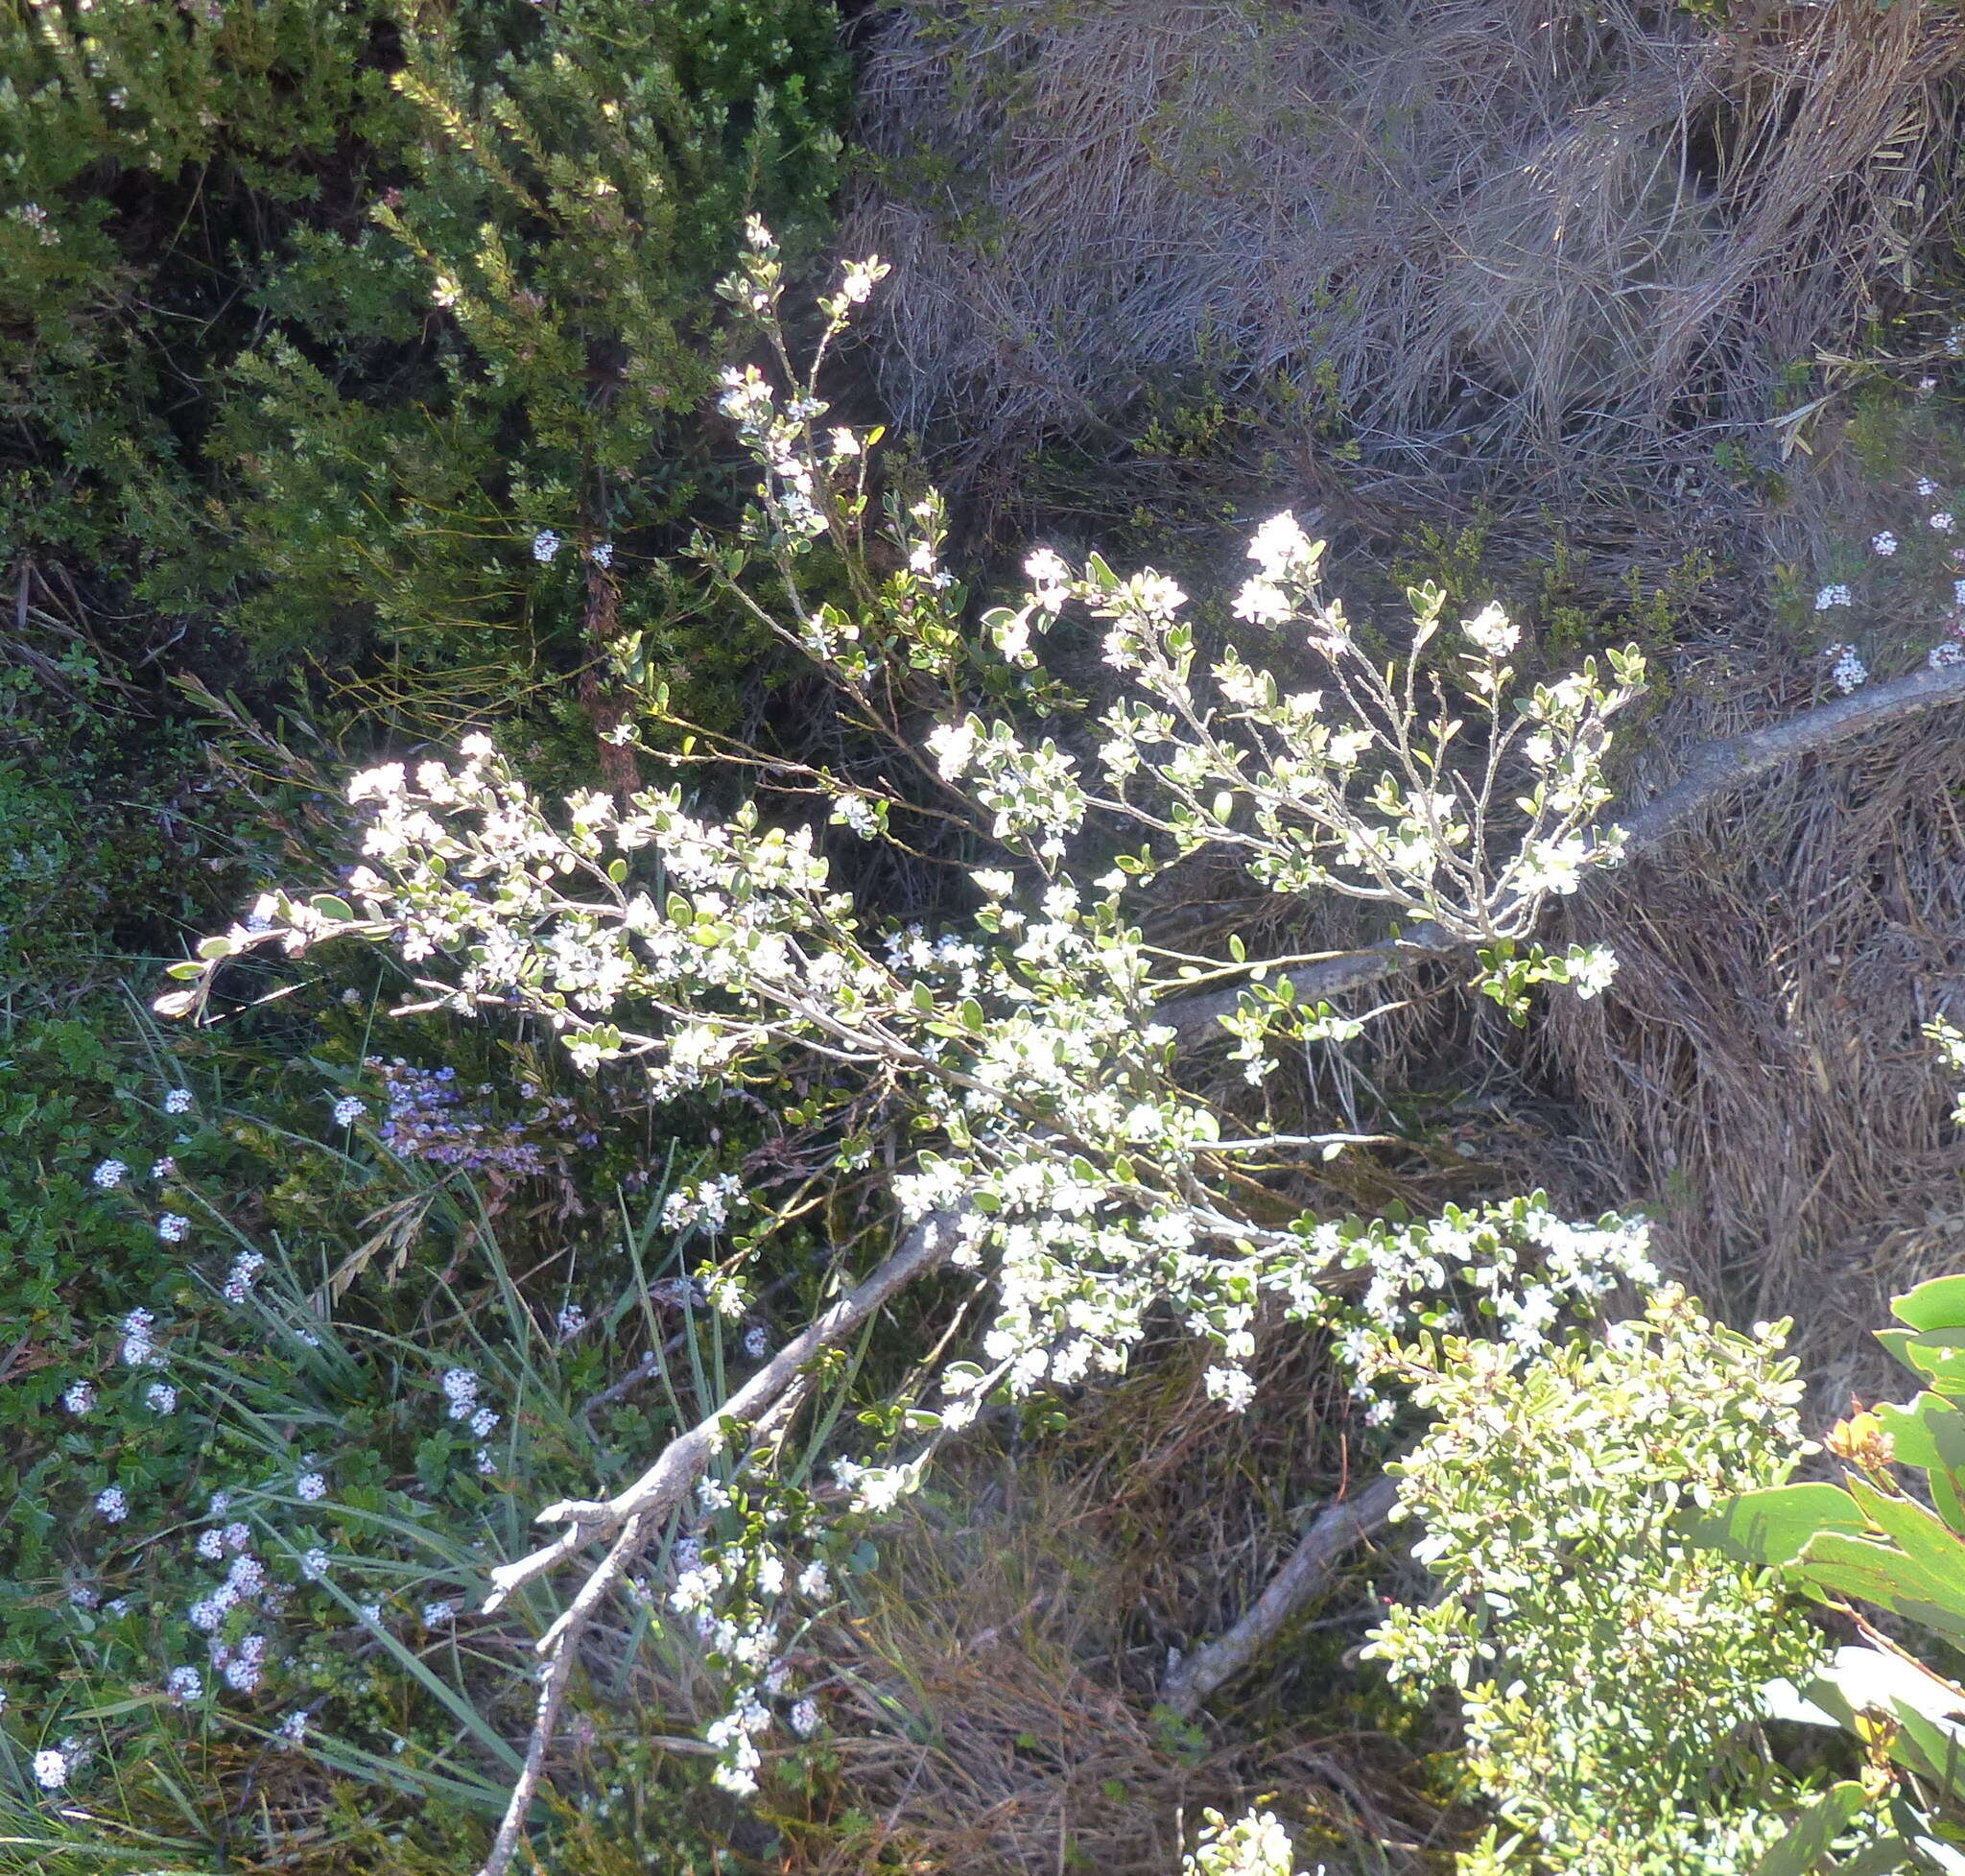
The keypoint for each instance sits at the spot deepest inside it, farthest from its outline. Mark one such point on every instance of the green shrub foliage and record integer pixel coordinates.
(380, 324)
(1608, 1671)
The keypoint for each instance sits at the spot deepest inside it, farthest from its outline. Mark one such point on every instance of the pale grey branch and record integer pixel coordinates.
(1339, 1529)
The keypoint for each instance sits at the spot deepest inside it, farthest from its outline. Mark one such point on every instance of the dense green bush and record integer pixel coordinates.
(1607, 1671)
(324, 323)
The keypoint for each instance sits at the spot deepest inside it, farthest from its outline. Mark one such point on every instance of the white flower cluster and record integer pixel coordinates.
(1832, 596)
(1848, 673)
(1253, 1845)
(461, 1391)
(704, 1207)
(242, 1276)
(139, 1348)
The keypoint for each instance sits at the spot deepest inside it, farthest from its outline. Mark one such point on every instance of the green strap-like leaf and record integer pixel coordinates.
(1806, 1847)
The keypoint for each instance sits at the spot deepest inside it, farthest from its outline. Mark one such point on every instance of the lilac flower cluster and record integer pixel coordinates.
(430, 1118)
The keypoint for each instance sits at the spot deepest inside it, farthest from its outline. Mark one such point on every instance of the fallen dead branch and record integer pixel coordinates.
(1339, 1529)
(631, 1515)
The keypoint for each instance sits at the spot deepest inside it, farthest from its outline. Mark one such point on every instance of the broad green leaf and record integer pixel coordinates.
(1773, 1527)
(1930, 1433)
(1939, 1304)
(1873, 1572)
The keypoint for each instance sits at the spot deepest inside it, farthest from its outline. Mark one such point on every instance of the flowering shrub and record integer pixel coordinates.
(1015, 1064)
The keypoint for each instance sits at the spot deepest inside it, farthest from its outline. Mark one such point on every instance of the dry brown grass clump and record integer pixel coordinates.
(994, 1709)
(1758, 1072)
(1507, 236)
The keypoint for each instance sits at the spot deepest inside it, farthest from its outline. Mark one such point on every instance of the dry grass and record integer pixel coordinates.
(1758, 1072)
(1519, 241)
(996, 1711)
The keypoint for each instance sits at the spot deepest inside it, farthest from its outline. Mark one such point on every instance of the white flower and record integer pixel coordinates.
(814, 1582)
(602, 553)
(112, 1505)
(211, 1545)
(571, 1321)
(237, 1536)
(1281, 548)
(461, 1387)
(1591, 971)
(162, 1169)
(756, 1345)
(177, 1102)
(1049, 578)
(218, 1505)
(292, 1730)
(1885, 543)
(51, 1770)
(1947, 650)
(206, 1615)
(1155, 595)
(857, 813)
(242, 1671)
(161, 1397)
(1263, 602)
(311, 1485)
(348, 1110)
(1837, 595)
(488, 1467)
(435, 1615)
(954, 746)
(1492, 630)
(183, 1685)
(313, 1564)
(247, 1577)
(1943, 522)
(79, 1396)
(805, 1719)
(172, 1228)
(138, 1349)
(545, 544)
(110, 1174)
(1231, 1387)
(484, 1422)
